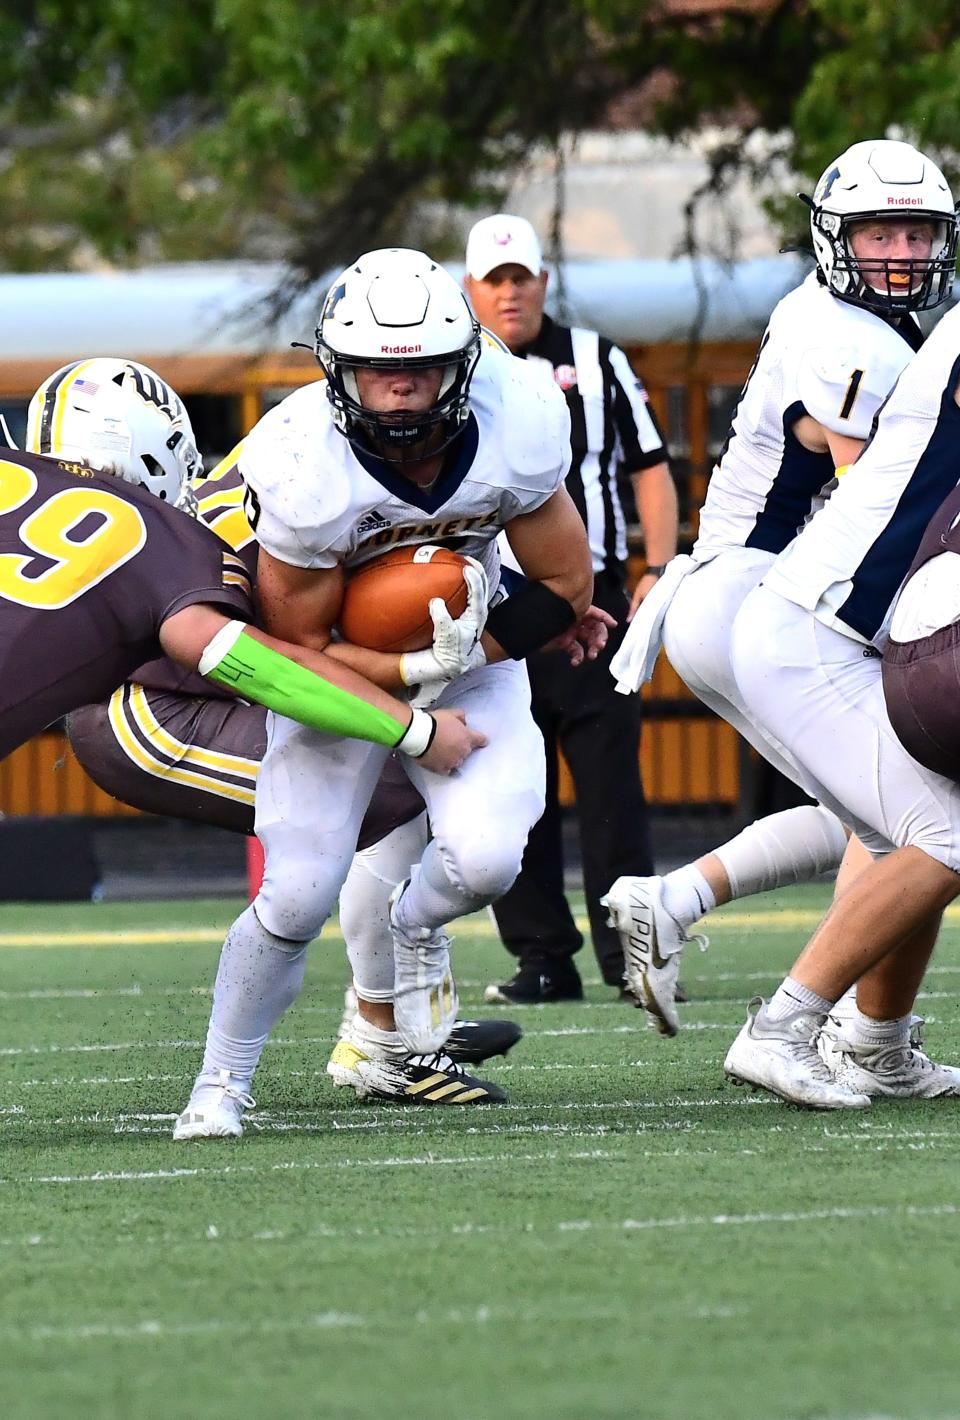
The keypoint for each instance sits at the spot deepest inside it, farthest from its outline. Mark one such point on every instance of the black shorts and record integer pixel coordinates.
(188, 757)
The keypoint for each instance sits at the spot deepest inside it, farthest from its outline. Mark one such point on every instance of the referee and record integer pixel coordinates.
(578, 710)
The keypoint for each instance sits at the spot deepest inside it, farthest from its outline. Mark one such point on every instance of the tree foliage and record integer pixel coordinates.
(314, 130)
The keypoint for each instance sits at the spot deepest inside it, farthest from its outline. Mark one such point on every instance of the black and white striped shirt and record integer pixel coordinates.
(612, 429)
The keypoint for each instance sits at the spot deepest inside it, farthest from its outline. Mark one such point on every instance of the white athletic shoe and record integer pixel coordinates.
(425, 1001)
(652, 946)
(890, 1071)
(214, 1110)
(781, 1056)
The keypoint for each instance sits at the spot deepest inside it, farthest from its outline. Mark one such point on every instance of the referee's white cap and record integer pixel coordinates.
(502, 240)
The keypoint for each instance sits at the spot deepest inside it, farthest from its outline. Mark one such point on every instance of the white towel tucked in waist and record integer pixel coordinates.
(633, 664)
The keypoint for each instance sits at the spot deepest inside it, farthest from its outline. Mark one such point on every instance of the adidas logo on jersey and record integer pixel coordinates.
(373, 522)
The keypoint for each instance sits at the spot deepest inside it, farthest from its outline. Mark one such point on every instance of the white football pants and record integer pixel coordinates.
(313, 789)
(697, 632)
(819, 694)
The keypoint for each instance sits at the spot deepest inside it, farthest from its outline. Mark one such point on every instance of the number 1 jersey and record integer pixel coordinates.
(819, 356)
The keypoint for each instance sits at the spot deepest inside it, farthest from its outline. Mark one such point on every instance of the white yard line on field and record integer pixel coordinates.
(153, 1329)
(286, 1042)
(875, 1143)
(469, 1228)
(736, 1100)
(335, 1011)
(99, 993)
(150, 1330)
(726, 919)
(309, 1165)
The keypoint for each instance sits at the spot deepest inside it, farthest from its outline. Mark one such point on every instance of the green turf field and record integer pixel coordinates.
(629, 1237)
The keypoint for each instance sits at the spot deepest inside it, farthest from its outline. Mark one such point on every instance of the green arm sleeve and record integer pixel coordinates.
(236, 660)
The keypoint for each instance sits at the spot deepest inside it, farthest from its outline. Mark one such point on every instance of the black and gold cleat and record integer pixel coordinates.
(471, 1042)
(436, 1079)
(408, 1079)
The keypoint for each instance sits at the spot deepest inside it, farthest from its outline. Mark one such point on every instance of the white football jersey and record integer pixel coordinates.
(847, 564)
(316, 501)
(819, 356)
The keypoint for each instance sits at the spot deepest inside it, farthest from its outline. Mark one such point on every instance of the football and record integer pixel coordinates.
(386, 604)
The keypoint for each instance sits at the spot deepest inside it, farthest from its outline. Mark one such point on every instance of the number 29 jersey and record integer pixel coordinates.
(819, 356)
(316, 501)
(90, 569)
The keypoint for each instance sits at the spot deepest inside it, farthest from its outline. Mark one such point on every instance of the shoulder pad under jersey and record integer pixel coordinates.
(531, 417)
(295, 467)
(843, 381)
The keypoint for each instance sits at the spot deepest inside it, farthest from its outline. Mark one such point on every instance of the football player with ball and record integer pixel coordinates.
(422, 433)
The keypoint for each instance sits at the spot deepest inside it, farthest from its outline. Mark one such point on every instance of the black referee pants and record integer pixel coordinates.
(579, 710)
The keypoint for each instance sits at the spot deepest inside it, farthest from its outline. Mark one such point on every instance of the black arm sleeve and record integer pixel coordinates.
(528, 619)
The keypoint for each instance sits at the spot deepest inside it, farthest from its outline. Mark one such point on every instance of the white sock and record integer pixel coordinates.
(365, 906)
(258, 978)
(364, 1034)
(794, 846)
(687, 895)
(790, 997)
(868, 1034)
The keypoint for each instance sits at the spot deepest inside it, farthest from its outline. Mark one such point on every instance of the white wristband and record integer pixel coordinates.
(220, 645)
(418, 736)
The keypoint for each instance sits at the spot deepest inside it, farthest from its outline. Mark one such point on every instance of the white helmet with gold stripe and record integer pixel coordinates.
(120, 418)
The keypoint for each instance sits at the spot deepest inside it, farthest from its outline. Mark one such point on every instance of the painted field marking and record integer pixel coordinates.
(301, 1042)
(704, 1001)
(724, 919)
(153, 1329)
(735, 1100)
(310, 1166)
(470, 1228)
(283, 1043)
(875, 1138)
(175, 1330)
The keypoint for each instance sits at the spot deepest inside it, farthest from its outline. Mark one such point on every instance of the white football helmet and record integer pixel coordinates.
(120, 418)
(397, 308)
(883, 179)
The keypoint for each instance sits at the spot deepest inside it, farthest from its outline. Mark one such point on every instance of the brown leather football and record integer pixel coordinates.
(386, 605)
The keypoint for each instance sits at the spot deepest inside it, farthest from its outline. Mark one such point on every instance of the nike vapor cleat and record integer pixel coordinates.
(782, 1057)
(889, 1071)
(652, 946)
(424, 992)
(388, 1073)
(537, 984)
(215, 1109)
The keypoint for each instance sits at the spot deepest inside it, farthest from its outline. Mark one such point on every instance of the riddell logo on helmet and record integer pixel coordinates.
(903, 202)
(400, 349)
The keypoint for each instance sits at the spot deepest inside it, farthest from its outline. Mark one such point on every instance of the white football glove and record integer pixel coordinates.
(456, 641)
